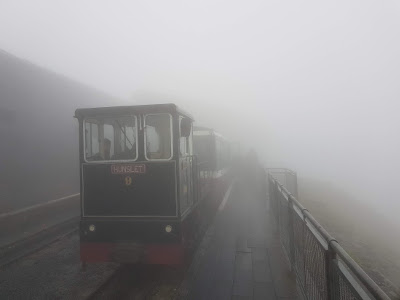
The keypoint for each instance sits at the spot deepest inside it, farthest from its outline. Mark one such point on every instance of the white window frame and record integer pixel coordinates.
(172, 137)
(187, 144)
(116, 160)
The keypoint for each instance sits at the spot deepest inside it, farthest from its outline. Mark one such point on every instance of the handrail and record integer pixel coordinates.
(371, 285)
(335, 285)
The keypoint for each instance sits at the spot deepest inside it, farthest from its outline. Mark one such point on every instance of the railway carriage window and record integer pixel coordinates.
(190, 143)
(109, 135)
(185, 142)
(127, 147)
(111, 139)
(203, 149)
(158, 136)
(127, 137)
(92, 139)
(182, 146)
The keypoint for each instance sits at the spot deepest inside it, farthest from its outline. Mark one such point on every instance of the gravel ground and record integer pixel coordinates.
(53, 273)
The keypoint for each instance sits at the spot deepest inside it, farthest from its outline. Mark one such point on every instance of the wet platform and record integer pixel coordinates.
(240, 256)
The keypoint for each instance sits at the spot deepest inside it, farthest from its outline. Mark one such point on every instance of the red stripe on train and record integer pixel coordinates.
(164, 254)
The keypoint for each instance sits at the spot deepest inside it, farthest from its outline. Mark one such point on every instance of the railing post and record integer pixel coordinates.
(296, 191)
(291, 233)
(343, 277)
(272, 201)
(271, 192)
(276, 207)
(330, 281)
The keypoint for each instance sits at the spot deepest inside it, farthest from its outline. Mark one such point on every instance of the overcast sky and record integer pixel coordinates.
(314, 86)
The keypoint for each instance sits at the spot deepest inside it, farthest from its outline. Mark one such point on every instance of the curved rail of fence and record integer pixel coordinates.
(323, 268)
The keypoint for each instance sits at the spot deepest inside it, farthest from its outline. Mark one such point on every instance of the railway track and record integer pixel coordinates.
(139, 282)
(126, 282)
(33, 243)
(110, 285)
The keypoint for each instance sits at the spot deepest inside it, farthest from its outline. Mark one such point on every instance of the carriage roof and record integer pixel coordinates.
(134, 109)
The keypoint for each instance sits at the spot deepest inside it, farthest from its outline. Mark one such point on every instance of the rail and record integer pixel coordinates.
(322, 267)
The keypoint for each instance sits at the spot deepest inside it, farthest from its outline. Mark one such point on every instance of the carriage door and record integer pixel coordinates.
(186, 168)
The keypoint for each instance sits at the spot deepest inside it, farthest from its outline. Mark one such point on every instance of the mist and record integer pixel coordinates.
(311, 86)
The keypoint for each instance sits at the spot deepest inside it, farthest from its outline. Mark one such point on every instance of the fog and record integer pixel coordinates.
(312, 86)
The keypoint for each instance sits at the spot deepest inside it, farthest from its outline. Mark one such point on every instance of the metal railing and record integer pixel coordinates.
(323, 268)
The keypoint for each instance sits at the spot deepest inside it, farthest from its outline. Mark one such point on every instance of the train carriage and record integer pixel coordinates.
(214, 154)
(145, 197)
